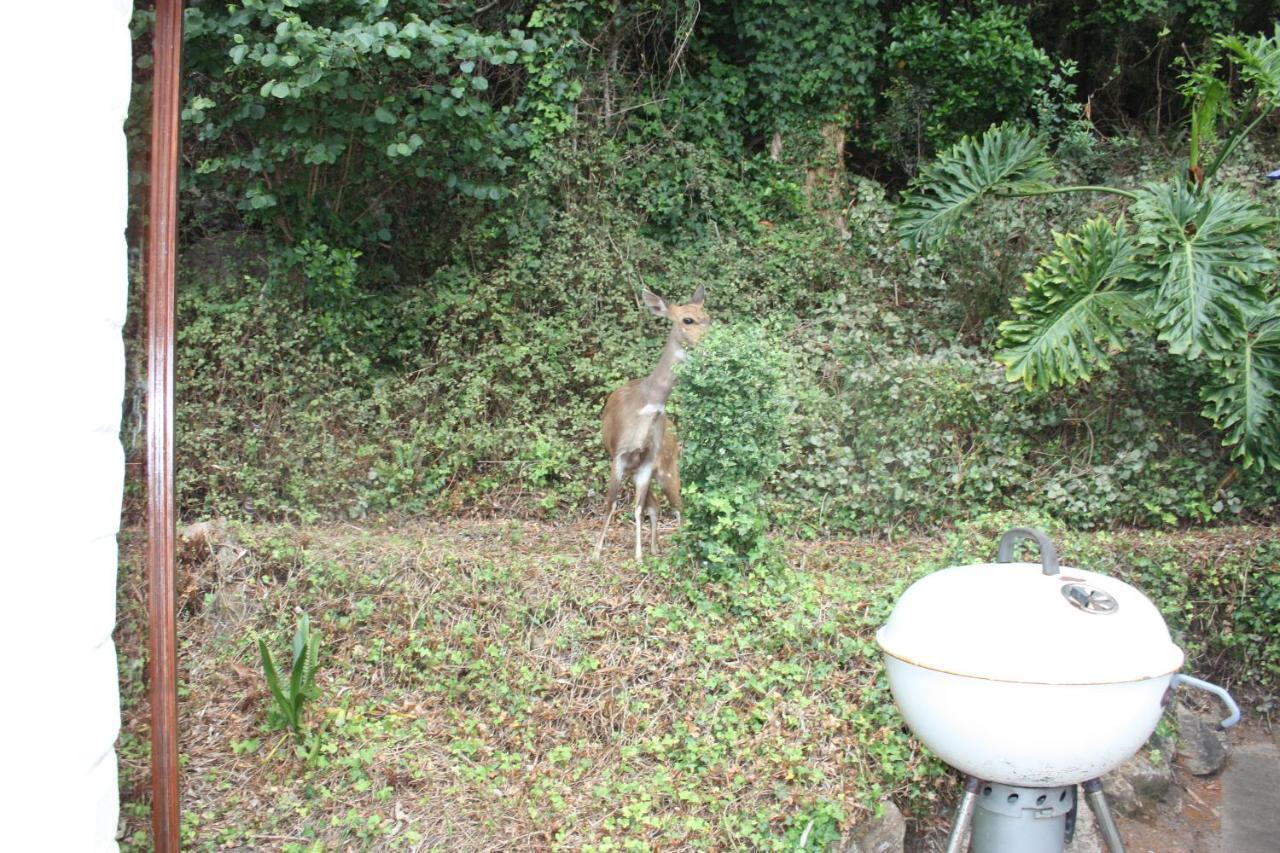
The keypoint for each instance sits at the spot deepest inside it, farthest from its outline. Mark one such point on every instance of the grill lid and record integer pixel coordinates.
(1029, 623)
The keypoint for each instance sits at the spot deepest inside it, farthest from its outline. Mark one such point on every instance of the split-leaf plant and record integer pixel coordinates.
(302, 678)
(1185, 259)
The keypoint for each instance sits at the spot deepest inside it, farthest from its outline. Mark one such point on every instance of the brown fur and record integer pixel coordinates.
(637, 434)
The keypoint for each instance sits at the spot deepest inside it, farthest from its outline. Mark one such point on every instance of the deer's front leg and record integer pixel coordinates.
(642, 497)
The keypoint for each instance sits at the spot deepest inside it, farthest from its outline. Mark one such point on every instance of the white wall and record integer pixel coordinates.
(64, 90)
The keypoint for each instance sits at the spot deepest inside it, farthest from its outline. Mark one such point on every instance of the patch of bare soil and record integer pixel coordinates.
(1194, 828)
(1197, 826)
(1191, 823)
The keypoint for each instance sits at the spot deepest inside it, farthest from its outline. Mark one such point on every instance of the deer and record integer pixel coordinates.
(638, 436)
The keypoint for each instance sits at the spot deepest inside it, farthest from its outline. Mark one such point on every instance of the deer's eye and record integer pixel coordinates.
(688, 321)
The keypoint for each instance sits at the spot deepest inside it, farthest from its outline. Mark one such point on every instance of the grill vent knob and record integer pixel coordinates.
(1088, 599)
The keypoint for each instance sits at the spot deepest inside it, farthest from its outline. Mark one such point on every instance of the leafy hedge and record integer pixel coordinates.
(732, 416)
(480, 389)
(390, 127)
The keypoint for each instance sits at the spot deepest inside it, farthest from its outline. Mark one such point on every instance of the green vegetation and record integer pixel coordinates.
(959, 72)
(731, 422)
(553, 702)
(309, 115)
(289, 706)
(414, 238)
(369, 330)
(1195, 266)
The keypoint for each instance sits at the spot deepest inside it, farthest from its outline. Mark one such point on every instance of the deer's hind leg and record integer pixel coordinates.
(616, 470)
(668, 479)
(651, 510)
(667, 473)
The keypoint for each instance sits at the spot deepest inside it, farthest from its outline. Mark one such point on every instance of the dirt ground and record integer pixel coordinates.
(494, 666)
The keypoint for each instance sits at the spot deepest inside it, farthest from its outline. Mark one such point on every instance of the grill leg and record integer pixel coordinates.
(1101, 811)
(964, 814)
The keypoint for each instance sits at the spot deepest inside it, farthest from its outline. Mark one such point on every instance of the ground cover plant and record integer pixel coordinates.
(486, 686)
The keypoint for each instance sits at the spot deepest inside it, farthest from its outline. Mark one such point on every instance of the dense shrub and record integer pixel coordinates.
(959, 72)
(480, 389)
(731, 416)
(306, 116)
(803, 62)
(1188, 259)
(893, 439)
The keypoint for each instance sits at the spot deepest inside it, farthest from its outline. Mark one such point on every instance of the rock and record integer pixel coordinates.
(1200, 750)
(1086, 838)
(885, 833)
(198, 541)
(1140, 785)
(231, 604)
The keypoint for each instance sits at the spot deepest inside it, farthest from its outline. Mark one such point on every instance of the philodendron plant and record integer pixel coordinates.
(1185, 259)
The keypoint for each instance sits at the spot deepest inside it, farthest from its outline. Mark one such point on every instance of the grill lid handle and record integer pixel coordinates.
(1233, 716)
(1048, 553)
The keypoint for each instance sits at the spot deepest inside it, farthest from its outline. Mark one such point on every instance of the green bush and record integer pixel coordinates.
(887, 439)
(732, 413)
(1188, 259)
(958, 72)
(803, 62)
(306, 119)
(482, 386)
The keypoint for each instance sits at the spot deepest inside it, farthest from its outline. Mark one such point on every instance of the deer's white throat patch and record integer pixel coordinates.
(653, 409)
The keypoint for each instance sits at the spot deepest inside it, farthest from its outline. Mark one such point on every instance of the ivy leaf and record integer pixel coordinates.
(1004, 158)
(1079, 301)
(1207, 247)
(1244, 401)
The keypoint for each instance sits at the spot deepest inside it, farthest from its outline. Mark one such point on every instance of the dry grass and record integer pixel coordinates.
(486, 686)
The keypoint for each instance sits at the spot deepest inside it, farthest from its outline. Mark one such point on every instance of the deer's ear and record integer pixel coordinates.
(657, 307)
(698, 296)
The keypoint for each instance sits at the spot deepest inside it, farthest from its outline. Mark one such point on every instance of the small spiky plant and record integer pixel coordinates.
(302, 678)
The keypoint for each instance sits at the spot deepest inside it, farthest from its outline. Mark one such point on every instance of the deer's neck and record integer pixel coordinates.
(659, 383)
